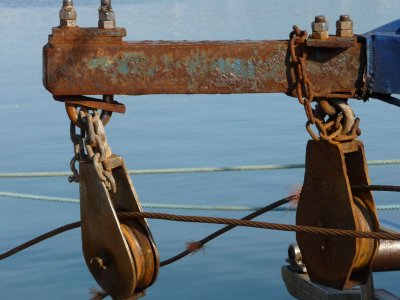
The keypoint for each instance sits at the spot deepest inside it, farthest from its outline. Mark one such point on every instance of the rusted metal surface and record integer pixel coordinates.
(94, 62)
(89, 102)
(121, 256)
(326, 200)
(102, 238)
(333, 42)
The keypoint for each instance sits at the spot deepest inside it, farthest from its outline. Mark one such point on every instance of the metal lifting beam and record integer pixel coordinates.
(92, 61)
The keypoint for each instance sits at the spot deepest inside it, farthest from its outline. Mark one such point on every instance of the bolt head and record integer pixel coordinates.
(107, 24)
(320, 35)
(344, 32)
(316, 26)
(344, 25)
(98, 263)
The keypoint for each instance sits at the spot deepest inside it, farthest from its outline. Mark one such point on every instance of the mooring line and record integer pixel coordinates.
(193, 170)
(176, 206)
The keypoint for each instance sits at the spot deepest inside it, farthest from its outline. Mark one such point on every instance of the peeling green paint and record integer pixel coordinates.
(98, 62)
(243, 68)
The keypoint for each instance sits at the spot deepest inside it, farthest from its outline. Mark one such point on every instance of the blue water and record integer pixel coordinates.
(171, 131)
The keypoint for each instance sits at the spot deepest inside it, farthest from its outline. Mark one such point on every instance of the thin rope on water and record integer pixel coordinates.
(171, 206)
(193, 170)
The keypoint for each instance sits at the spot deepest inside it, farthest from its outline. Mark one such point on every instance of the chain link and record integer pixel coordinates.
(333, 118)
(91, 144)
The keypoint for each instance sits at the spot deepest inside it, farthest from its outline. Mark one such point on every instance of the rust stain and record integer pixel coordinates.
(80, 62)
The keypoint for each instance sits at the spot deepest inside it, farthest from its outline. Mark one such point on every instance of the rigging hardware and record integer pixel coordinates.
(327, 70)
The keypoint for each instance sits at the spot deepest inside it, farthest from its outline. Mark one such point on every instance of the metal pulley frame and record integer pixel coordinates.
(122, 256)
(326, 200)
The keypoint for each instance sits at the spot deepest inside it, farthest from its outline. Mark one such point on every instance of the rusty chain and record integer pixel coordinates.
(91, 144)
(333, 118)
(297, 39)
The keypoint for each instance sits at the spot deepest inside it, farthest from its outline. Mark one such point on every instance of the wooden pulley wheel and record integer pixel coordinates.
(145, 258)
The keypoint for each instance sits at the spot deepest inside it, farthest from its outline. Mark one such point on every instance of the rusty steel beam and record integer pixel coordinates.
(95, 61)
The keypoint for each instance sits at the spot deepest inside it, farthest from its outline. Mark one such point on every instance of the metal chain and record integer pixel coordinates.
(79, 152)
(92, 139)
(297, 39)
(340, 125)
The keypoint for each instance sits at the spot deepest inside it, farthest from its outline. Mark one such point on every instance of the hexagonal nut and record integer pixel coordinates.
(344, 25)
(344, 33)
(68, 23)
(320, 35)
(68, 14)
(320, 26)
(107, 24)
(106, 16)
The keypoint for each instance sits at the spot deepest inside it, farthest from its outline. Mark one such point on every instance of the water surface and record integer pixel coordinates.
(165, 132)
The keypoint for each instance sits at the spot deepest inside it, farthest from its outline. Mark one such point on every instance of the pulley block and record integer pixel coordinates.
(122, 256)
(327, 200)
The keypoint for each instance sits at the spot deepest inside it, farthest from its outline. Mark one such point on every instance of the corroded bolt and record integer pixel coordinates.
(68, 14)
(344, 26)
(98, 263)
(320, 28)
(106, 15)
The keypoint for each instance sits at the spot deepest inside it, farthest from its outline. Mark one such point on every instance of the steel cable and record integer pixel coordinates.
(197, 245)
(264, 225)
(381, 188)
(232, 223)
(39, 239)
(78, 224)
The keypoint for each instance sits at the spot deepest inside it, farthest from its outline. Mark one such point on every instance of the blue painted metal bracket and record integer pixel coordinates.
(383, 59)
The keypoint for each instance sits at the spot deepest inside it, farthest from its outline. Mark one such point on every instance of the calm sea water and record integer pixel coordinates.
(171, 131)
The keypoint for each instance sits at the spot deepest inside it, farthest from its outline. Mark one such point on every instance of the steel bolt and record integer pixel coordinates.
(98, 263)
(320, 28)
(68, 14)
(344, 26)
(106, 15)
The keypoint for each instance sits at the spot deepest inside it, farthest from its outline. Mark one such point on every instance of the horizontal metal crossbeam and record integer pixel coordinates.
(95, 61)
